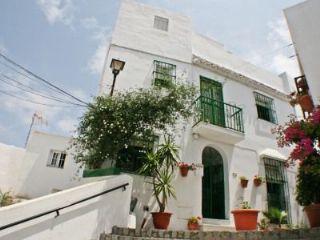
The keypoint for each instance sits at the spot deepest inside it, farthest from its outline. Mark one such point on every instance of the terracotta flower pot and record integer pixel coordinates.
(305, 102)
(257, 182)
(245, 219)
(184, 171)
(161, 220)
(244, 183)
(193, 226)
(313, 213)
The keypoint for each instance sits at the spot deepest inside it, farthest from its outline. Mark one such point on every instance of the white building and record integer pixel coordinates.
(43, 167)
(159, 46)
(303, 20)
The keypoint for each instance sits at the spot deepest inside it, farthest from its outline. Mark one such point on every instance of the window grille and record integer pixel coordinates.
(161, 23)
(277, 185)
(164, 74)
(265, 108)
(57, 159)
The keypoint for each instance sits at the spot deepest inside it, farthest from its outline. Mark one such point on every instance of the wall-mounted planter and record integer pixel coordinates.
(244, 183)
(184, 170)
(305, 102)
(257, 182)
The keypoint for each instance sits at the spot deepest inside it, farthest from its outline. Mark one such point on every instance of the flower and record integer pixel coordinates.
(194, 220)
(293, 133)
(315, 118)
(302, 150)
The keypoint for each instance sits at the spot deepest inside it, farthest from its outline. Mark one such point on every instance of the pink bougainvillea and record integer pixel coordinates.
(304, 135)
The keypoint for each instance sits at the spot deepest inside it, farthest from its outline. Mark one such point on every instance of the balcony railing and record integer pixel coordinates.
(219, 113)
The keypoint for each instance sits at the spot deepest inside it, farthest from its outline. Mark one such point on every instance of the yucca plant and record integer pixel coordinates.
(160, 167)
(276, 216)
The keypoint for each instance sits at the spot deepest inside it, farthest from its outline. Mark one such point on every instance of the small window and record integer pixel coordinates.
(164, 74)
(265, 108)
(161, 23)
(57, 159)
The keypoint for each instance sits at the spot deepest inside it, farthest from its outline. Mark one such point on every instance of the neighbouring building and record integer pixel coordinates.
(43, 167)
(240, 104)
(303, 20)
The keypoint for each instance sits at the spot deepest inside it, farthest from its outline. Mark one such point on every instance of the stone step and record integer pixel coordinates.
(136, 234)
(219, 228)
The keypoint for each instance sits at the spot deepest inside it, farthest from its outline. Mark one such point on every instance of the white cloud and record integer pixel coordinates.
(67, 125)
(276, 56)
(3, 49)
(57, 10)
(102, 36)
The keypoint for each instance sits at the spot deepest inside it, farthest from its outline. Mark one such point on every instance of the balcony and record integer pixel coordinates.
(217, 120)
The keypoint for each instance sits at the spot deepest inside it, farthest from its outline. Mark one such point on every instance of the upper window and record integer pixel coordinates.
(161, 23)
(265, 108)
(164, 74)
(57, 159)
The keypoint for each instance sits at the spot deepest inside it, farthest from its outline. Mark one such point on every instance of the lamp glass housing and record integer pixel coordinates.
(116, 64)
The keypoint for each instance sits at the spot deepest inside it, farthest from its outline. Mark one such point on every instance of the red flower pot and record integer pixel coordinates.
(306, 103)
(161, 220)
(313, 214)
(244, 183)
(245, 219)
(184, 170)
(193, 226)
(257, 182)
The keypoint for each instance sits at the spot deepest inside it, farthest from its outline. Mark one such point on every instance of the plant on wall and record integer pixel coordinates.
(113, 123)
(304, 136)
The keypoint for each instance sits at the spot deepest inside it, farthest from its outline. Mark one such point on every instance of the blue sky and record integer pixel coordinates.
(65, 41)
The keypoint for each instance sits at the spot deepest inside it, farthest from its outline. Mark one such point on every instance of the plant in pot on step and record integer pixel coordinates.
(245, 218)
(257, 180)
(244, 181)
(160, 167)
(276, 217)
(304, 136)
(193, 223)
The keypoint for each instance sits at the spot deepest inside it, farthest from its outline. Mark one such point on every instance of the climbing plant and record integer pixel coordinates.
(113, 123)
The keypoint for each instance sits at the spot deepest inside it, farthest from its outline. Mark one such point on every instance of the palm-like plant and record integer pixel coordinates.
(276, 216)
(160, 166)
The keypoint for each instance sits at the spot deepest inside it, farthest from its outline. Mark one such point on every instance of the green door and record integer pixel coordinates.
(213, 202)
(212, 101)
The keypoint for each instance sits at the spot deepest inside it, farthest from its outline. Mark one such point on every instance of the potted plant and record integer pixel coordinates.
(193, 223)
(304, 136)
(257, 180)
(245, 218)
(160, 166)
(275, 216)
(185, 167)
(244, 181)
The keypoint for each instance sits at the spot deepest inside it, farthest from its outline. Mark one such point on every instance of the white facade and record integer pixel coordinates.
(303, 20)
(138, 43)
(27, 172)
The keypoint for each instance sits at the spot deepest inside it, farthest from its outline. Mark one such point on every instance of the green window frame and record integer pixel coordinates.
(164, 74)
(277, 185)
(265, 108)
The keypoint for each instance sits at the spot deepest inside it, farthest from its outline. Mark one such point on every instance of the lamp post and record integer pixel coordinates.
(116, 66)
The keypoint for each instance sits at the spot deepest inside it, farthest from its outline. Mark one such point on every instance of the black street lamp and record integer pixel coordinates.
(116, 66)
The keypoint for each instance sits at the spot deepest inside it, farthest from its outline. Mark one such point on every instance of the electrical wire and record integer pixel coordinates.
(41, 79)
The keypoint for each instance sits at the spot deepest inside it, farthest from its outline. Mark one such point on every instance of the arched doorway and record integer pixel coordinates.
(213, 196)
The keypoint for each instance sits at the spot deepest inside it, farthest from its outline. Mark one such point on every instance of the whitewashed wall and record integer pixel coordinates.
(303, 21)
(85, 221)
(24, 172)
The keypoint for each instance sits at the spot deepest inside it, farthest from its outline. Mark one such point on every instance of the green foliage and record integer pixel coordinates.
(245, 205)
(5, 199)
(276, 216)
(160, 166)
(114, 123)
(308, 181)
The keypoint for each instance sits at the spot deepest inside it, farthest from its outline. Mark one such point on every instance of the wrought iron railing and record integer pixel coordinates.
(218, 113)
